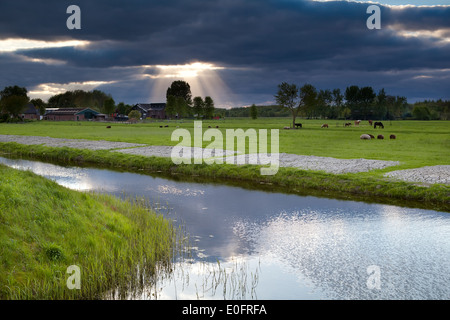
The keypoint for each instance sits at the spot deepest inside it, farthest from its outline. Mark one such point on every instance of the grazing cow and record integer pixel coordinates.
(370, 122)
(347, 124)
(325, 125)
(365, 137)
(166, 126)
(297, 125)
(380, 136)
(371, 136)
(379, 124)
(357, 122)
(392, 136)
(217, 126)
(160, 126)
(108, 127)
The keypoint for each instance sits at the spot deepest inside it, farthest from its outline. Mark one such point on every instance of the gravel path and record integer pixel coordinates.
(434, 174)
(430, 174)
(327, 164)
(166, 151)
(71, 143)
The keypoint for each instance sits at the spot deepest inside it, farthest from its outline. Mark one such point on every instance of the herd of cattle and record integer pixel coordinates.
(363, 136)
(380, 136)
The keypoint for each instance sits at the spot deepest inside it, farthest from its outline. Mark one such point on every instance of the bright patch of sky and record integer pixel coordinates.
(413, 2)
(10, 45)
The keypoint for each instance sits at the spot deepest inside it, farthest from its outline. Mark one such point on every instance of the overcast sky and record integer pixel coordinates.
(236, 51)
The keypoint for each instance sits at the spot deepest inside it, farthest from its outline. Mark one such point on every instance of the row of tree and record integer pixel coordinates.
(431, 110)
(14, 100)
(94, 99)
(260, 111)
(423, 110)
(179, 102)
(355, 103)
(306, 101)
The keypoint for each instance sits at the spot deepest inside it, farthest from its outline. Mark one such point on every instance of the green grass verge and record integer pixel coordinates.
(45, 228)
(371, 186)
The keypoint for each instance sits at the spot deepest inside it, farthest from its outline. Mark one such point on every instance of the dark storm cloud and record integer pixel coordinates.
(229, 32)
(274, 41)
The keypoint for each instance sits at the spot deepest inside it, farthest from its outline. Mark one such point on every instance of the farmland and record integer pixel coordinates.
(418, 143)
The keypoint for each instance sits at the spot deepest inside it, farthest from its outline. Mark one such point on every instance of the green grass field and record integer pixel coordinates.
(418, 143)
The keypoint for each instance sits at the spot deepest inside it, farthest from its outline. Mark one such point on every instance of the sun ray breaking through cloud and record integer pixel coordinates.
(203, 78)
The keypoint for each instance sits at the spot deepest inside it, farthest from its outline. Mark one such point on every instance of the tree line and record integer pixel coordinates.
(95, 99)
(261, 111)
(430, 110)
(179, 102)
(359, 103)
(14, 101)
(355, 102)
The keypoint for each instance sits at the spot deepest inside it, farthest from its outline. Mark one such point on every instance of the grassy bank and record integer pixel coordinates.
(45, 228)
(371, 186)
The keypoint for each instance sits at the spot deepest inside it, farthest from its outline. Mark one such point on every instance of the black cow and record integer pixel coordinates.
(298, 125)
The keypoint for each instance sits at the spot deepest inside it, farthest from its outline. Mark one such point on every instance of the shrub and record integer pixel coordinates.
(134, 114)
(54, 252)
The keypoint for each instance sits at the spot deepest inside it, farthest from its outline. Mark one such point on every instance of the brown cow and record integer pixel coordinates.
(347, 124)
(357, 122)
(380, 136)
(108, 127)
(392, 136)
(325, 125)
(370, 122)
(379, 124)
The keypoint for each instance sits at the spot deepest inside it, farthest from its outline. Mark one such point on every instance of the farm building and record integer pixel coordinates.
(31, 112)
(73, 114)
(151, 110)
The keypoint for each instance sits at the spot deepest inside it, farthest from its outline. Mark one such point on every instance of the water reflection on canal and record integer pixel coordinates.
(259, 245)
